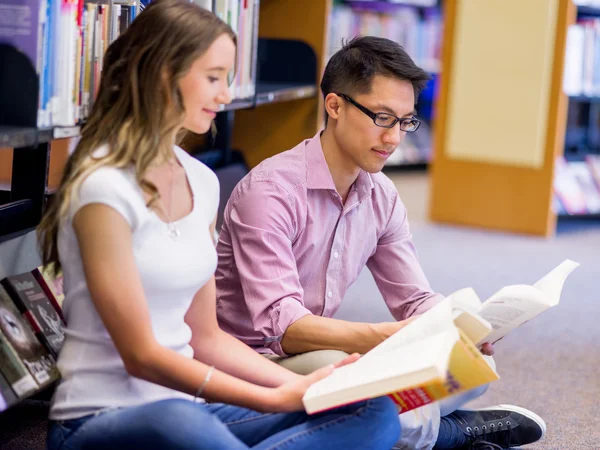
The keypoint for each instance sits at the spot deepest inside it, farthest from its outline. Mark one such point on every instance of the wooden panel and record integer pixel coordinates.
(5, 166)
(270, 129)
(490, 195)
(58, 158)
(501, 81)
(59, 153)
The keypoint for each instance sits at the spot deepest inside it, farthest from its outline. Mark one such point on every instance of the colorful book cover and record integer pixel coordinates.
(18, 335)
(467, 370)
(32, 301)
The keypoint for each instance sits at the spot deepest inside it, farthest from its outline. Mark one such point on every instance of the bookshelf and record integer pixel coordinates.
(577, 178)
(417, 26)
(278, 107)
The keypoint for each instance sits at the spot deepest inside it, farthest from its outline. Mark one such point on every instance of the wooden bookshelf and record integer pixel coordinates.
(497, 192)
(283, 111)
(271, 128)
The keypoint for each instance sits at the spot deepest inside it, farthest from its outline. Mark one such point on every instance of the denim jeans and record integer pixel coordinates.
(183, 425)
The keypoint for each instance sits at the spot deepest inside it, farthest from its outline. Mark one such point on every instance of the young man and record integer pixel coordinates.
(301, 226)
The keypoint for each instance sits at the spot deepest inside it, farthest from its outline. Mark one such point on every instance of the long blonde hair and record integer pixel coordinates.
(138, 108)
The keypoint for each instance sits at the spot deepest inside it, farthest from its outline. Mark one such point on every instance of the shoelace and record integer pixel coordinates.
(479, 441)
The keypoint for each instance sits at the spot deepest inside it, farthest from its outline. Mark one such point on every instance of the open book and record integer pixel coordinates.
(511, 306)
(436, 354)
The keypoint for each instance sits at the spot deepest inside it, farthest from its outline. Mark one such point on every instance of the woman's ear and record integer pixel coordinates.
(332, 105)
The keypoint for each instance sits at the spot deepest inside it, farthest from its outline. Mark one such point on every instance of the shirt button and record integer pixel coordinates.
(336, 254)
(330, 294)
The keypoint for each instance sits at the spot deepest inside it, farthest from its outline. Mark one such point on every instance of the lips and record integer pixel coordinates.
(382, 153)
(210, 112)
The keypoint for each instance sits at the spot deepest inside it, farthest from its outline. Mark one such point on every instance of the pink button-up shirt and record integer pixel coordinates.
(289, 247)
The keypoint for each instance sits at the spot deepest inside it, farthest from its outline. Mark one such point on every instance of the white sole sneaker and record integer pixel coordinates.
(529, 414)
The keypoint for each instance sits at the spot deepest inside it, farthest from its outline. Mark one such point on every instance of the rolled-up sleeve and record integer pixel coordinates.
(262, 225)
(396, 269)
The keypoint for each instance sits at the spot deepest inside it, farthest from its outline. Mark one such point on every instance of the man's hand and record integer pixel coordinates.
(288, 396)
(386, 329)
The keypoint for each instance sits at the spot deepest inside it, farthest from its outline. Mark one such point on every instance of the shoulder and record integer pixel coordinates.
(198, 169)
(107, 180)
(386, 200)
(283, 174)
(111, 186)
(384, 186)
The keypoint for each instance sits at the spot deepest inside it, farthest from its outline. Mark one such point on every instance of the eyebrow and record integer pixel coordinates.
(219, 69)
(382, 107)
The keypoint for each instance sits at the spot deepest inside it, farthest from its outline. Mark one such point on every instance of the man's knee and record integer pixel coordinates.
(306, 363)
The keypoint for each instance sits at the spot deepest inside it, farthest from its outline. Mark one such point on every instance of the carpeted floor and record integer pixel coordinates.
(552, 364)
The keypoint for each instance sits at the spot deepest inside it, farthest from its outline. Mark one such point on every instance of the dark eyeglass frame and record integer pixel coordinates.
(374, 116)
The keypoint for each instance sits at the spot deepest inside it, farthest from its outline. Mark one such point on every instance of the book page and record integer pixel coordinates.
(437, 320)
(551, 284)
(511, 307)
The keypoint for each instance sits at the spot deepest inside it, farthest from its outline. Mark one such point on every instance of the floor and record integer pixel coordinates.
(552, 364)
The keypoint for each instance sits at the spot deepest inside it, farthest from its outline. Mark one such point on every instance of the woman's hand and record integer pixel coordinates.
(288, 396)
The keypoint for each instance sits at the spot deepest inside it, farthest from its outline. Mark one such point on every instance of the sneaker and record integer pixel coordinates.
(499, 427)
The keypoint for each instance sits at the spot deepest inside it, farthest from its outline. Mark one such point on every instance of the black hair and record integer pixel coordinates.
(352, 68)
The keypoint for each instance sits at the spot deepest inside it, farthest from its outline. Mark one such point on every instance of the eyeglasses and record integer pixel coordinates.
(386, 120)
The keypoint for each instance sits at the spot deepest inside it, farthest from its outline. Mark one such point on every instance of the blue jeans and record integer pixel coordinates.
(183, 425)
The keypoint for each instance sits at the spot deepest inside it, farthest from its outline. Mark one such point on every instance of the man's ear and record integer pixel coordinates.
(332, 105)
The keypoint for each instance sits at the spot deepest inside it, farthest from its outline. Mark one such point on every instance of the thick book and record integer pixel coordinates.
(31, 299)
(26, 348)
(437, 355)
(7, 395)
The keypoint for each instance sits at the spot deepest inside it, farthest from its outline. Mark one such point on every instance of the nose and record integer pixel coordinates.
(393, 136)
(224, 96)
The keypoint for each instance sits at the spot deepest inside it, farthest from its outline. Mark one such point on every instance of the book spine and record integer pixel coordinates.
(35, 307)
(49, 293)
(13, 369)
(7, 395)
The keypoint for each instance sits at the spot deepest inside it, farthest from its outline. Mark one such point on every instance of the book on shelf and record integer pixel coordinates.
(242, 17)
(418, 32)
(7, 395)
(582, 59)
(41, 312)
(567, 190)
(577, 185)
(25, 363)
(437, 355)
(66, 41)
(593, 162)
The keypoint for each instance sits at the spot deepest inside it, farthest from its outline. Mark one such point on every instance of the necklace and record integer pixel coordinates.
(173, 231)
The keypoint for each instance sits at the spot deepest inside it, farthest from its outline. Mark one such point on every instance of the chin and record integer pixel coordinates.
(199, 127)
(373, 167)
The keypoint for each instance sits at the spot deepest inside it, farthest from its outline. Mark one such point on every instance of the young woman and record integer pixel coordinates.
(132, 227)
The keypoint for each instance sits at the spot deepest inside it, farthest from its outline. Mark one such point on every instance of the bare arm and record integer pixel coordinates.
(215, 347)
(105, 244)
(312, 333)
